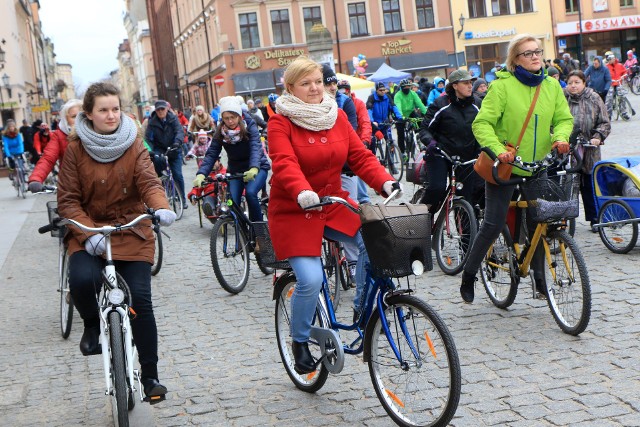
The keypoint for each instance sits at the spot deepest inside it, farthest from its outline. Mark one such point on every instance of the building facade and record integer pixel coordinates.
(64, 87)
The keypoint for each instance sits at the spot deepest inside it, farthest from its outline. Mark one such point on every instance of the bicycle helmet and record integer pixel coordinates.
(273, 97)
(344, 84)
(406, 83)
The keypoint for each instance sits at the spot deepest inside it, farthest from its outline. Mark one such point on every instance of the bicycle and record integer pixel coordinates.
(20, 176)
(171, 190)
(634, 79)
(116, 339)
(159, 251)
(336, 269)
(456, 225)
(217, 190)
(620, 104)
(232, 239)
(412, 145)
(412, 358)
(388, 152)
(551, 199)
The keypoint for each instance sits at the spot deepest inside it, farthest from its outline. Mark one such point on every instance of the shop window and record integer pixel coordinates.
(524, 6)
(391, 16)
(280, 27)
(626, 3)
(487, 56)
(249, 30)
(424, 10)
(358, 20)
(311, 16)
(571, 6)
(499, 7)
(477, 9)
(196, 97)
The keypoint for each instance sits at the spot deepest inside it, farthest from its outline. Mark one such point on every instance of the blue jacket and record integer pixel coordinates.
(598, 79)
(12, 146)
(379, 108)
(215, 114)
(162, 135)
(436, 91)
(241, 156)
(346, 103)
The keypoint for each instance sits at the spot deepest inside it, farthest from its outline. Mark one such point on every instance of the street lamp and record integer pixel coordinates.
(5, 81)
(231, 50)
(462, 20)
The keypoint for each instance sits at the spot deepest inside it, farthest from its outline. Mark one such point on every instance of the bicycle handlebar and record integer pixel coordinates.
(105, 229)
(329, 200)
(455, 160)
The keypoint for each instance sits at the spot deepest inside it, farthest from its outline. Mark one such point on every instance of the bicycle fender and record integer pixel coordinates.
(281, 282)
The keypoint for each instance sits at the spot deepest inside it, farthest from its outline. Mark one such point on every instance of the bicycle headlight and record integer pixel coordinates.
(459, 185)
(116, 296)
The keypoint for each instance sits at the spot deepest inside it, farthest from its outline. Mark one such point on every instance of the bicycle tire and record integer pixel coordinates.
(174, 198)
(394, 161)
(343, 269)
(315, 380)
(331, 266)
(453, 245)
(418, 195)
(628, 109)
(265, 270)
(619, 239)
(118, 369)
(569, 301)
(635, 85)
(158, 253)
(66, 302)
(423, 392)
(229, 255)
(498, 271)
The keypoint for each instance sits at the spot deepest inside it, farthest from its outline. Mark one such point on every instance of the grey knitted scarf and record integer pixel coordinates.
(106, 148)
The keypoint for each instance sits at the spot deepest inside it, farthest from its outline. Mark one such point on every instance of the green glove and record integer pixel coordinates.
(199, 180)
(250, 175)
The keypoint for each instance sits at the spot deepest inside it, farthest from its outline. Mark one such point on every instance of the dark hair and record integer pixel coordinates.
(98, 89)
(578, 74)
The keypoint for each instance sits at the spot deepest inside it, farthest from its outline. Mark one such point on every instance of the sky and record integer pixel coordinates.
(85, 34)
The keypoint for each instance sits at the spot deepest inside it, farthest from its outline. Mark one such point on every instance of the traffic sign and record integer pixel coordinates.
(218, 80)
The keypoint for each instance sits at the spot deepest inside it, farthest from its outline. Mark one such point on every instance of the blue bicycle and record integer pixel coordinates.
(412, 358)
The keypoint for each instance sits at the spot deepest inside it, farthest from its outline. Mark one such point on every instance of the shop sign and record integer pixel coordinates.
(596, 25)
(490, 34)
(284, 56)
(8, 105)
(252, 62)
(397, 47)
(600, 5)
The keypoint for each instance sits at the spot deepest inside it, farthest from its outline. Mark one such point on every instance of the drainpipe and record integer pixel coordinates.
(335, 22)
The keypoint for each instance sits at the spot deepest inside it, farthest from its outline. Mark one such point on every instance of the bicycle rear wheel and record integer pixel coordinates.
(618, 238)
(418, 195)
(635, 85)
(394, 162)
(568, 286)
(498, 271)
(118, 369)
(229, 255)
(66, 303)
(455, 232)
(313, 381)
(157, 257)
(423, 387)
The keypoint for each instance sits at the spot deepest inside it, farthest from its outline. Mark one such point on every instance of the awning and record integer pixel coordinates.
(420, 61)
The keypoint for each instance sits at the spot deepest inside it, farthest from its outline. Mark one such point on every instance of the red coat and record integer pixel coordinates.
(53, 152)
(40, 141)
(308, 160)
(364, 122)
(616, 70)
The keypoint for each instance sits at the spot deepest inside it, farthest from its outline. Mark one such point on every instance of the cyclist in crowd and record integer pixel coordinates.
(107, 178)
(598, 78)
(201, 121)
(631, 60)
(553, 72)
(416, 88)
(500, 119)
(408, 102)
(215, 114)
(239, 137)
(256, 114)
(309, 141)
(591, 121)
(480, 89)
(55, 149)
(380, 106)
(27, 137)
(41, 139)
(164, 131)
(617, 71)
(12, 143)
(270, 108)
(437, 91)
(447, 126)
(260, 106)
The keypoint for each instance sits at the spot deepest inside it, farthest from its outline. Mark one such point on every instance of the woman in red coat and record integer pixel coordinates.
(56, 147)
(310, 140)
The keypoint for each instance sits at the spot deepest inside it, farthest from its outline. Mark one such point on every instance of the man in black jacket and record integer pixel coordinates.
(447, 126)
(164, 131)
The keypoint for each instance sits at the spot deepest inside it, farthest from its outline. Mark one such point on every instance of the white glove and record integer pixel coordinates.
(387, 189)
(165, 217)
(95, 245)
(309, 198)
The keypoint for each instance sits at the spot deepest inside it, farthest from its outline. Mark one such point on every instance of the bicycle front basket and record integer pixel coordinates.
(264, 247)
(395, 236)
(553, 199)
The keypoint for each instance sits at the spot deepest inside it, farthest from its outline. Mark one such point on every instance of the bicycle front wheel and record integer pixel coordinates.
(418, 195)
(618, 238)
(118, 369)
(157, 256)
(635, 85)
(175, 198)
(229, 255)
(66, 303)
(625, 106)
(455, 232)
(394, 162)
(568, 286)
(422, 386)
(331, 265)
(498, 271)
(313, 381)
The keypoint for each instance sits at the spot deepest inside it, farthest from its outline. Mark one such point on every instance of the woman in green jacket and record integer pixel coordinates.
(499, 121)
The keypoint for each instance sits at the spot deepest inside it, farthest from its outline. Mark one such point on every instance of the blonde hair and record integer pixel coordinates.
(514, 49)
(299, 68)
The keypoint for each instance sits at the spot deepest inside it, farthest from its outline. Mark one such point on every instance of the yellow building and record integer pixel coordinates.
(483, 29)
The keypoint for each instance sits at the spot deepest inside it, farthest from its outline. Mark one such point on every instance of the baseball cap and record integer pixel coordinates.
(161, 103)
(460, 75)
(380, 85)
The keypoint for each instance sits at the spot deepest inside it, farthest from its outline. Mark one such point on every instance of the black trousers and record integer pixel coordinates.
(85, 283)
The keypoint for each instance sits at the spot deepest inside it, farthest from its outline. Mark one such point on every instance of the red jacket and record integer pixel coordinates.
(308, 160)
(616, 70)
(40, 142)
(364, 122)
(53, 152)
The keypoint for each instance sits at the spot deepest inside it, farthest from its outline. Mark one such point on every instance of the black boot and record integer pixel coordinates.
(467, 287)
(90, 341)
(541, 289)
(304, 363)
(154, 391)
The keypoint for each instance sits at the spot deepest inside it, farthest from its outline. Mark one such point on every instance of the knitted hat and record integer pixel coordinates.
(477, 84)
(230, 103)
(328, 75)
(552, 71)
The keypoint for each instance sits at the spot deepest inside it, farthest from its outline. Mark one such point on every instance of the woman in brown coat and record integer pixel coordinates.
(106, 178)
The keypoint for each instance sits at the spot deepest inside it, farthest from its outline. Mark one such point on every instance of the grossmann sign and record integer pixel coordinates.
(596, 25)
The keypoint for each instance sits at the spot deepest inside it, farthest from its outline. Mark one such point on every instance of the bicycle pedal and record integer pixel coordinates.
(152, 400)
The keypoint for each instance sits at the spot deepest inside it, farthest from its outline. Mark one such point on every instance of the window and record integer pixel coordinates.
(249, 30)
(524, 6)
(391, 16)
(571, 6)
(626, 3)
(477, 9)
(499, 7)
(424, 10)
(358, 20)
(280, 26)
(311, 16)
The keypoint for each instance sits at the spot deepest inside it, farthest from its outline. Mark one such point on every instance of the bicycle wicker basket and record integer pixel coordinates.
(52, 211)
(397, 238)
(264, 247)
(553, 198)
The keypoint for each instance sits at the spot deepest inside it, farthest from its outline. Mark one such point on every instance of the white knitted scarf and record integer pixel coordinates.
(315, 117)
(106, 148)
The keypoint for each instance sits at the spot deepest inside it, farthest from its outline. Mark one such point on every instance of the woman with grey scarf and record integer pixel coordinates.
(107, 178)
(591, 122)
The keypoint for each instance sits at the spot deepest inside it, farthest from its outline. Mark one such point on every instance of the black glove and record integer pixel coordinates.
(175, 145)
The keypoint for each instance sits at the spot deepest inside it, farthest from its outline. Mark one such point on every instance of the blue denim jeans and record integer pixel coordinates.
(251, 193)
